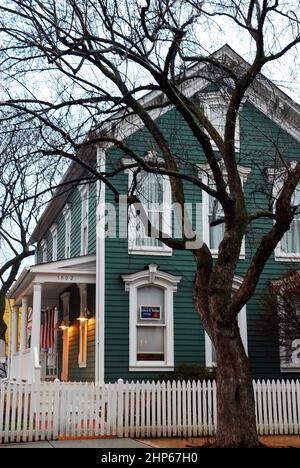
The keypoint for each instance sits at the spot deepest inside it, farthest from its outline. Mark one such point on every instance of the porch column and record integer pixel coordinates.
(23, 338)
(36, 328)
(14, 339)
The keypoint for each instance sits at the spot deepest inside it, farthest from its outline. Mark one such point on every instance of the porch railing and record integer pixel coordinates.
(48, 363)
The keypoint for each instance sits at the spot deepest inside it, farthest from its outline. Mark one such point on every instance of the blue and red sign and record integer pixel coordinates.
(150, 312)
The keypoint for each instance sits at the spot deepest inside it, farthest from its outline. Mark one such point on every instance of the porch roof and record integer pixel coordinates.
(58, 274)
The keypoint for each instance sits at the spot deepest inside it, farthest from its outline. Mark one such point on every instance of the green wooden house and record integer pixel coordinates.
(121, 300)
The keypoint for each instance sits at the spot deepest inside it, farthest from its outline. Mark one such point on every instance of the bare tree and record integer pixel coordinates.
(20, 177)
(85, 64)
(281, 312)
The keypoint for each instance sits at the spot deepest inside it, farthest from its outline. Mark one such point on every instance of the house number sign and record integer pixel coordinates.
(65, 278)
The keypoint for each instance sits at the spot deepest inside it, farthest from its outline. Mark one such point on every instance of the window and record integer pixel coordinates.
(290, 348)
(215, 107)
(84, 193)
(151, 340)
(289, 246)
(212, 210)
(154, 193)
(44, 251)
(53, 231)
(210, 353)
(67, 216)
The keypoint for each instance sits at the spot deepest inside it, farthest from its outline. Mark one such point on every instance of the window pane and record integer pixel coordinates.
(216, 233)
(150, 191)
(150, 343)
(151, 296)
(290, 243)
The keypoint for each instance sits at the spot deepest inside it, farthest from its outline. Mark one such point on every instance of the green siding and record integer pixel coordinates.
(75, 373)
(256, 152)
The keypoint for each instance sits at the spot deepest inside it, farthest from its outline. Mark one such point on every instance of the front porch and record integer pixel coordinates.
(43, 293)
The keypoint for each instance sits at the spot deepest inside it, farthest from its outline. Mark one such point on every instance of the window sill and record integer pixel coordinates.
(82, 365)
(287, 258)
(155, 368)
(159, 252)
(215, 254)
(291, 370)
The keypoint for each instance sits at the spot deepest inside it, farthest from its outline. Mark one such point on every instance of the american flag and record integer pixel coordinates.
(47, 327)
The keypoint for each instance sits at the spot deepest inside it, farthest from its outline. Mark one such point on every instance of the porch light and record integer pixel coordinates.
(63, 325)
(83, 317)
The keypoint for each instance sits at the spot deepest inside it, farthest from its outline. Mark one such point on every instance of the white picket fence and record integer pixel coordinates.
(134, 409)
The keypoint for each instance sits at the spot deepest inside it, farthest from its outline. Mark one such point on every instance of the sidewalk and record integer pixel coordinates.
(195, 442)
(81, 443)
(269, 441)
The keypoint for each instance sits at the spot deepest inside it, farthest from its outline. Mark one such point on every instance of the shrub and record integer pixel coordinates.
(187, 371)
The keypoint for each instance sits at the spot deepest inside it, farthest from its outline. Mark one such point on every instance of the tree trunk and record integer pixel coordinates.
(236, 420)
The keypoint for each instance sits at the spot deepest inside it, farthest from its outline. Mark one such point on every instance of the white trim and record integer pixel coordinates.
(168, 283)
(163, 250)
(204, 174)
(54, 234)
(84, 194)
(100, 272)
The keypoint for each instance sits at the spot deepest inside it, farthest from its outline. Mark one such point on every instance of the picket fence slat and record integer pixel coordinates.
(136, 409)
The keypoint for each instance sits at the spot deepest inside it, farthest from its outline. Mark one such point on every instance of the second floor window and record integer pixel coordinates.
(53, 231)
(44, 251)
(288, 249)
(212, 211)
(67, 215)
(84, 192)
(290, 243)
(154, 194)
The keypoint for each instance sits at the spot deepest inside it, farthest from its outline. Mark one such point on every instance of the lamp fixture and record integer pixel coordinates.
(63, 325)
(83, 317)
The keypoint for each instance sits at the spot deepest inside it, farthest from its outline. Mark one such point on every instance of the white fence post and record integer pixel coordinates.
(120, 408)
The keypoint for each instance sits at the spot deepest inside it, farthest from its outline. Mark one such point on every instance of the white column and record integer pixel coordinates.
(23, 338)
(36, 330)
(14, 339)
(100, 273)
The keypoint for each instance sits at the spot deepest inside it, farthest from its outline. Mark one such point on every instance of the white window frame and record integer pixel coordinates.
(54, 234)
(168, 283)
(204, 174)
(242, 323)
(162, 250)
(68, 229)
(217, 100)
(84, 193)
(44, 248)
(277, 178)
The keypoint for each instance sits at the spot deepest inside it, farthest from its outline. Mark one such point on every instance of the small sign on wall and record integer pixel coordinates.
(149, 312)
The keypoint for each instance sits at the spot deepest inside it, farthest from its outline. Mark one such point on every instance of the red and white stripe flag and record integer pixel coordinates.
(47, 327)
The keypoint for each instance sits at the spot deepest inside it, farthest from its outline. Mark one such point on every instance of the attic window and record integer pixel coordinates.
(215, 107)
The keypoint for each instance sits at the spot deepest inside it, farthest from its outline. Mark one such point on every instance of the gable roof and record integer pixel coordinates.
(263, 94)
